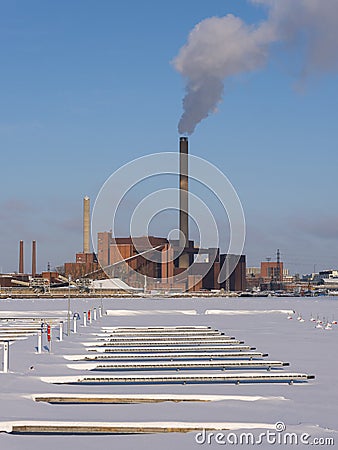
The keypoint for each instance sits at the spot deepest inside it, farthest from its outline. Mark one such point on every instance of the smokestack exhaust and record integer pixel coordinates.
(33, 259)
(86, 225)
(184, 205)
(21, 257)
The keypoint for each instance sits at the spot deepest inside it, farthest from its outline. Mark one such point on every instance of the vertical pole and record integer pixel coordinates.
(6, 356)
(84, 318)
(74, 324)
(100, 311)
(101, 302)
(39, 341)
(61, 331)
(94, 314)
(227, 274)
(68, 312)
(49, 337)
(89, 316)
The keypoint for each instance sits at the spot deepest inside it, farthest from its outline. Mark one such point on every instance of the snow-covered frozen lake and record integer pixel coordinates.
(265, 324)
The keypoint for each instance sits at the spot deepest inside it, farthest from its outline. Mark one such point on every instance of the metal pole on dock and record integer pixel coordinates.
(40, 341)
(101, 301)
(6, 356)
(68, 312)
(84, 318)
(75, 323)
(61, 331)
(49, 337)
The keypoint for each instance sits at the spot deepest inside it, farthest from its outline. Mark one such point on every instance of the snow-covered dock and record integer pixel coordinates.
(143, 398)
(43, 398)
(72, 427)
(169, 365)
(237, 378)
(240, 352)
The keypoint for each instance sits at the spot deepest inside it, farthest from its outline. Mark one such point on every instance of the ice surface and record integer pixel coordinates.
(310, 407)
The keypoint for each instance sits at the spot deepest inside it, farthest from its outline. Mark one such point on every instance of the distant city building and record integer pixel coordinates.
(271, 270)
(253, 272)
(326, 274)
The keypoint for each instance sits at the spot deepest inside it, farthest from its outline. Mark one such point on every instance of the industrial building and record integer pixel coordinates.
(145, 262)
(172, 265)
(36, 282)
(116, 255)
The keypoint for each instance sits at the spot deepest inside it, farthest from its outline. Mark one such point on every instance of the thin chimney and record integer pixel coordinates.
(21, 257)
(86, 225)
(33, 259)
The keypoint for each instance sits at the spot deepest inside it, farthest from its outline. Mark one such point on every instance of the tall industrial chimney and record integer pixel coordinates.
(21, 257)
(33, 259)
(86, 225)
(184, 192)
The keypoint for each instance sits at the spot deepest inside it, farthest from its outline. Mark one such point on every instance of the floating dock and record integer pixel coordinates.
(168, 365)
(71, 427)
(237, 378)
(133, 398)
(197, 351)
(151, 343)
(243, 354)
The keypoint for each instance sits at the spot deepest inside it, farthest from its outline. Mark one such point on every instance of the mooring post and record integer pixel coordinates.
(61, 331)
(6, 356)
(94, 314)
(84, 318)
(89, 316)
(68, 311)
(75, 323)
(101, 301)
(100, 311)
(40, 341)
(49, 337)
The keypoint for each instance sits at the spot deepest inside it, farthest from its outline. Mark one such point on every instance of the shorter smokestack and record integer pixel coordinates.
(86, 225)
(33, 258)
(21, 257)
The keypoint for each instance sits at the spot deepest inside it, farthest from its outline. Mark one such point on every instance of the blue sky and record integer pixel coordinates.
(87, 86)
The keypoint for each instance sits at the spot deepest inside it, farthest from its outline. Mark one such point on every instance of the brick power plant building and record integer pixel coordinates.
(166, 265)
(172, 266)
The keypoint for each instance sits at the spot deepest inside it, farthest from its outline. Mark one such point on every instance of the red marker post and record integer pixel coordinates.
(49, 337)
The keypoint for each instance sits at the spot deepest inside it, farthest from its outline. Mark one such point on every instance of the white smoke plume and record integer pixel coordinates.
(221, 47)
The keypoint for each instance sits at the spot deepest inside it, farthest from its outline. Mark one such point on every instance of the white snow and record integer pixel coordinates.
(306, 407)
(154, 312)
(238, 312)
